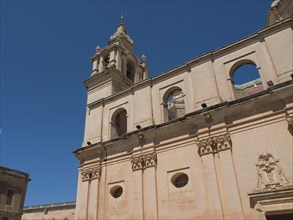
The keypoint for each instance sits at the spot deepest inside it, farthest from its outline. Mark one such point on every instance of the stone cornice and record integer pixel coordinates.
(118, 95)
(259, 200)
(15, 173)
(53, 206)
(290, 120)
(110, 73)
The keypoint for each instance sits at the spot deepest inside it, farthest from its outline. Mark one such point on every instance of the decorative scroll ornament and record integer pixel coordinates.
(91, 173)
(214, 144)
(144, 161)
(270, 174)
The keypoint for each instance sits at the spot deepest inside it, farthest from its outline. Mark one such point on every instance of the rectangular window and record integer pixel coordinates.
(9, 197)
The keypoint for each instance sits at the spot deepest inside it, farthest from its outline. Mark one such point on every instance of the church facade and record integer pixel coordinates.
(190, 143)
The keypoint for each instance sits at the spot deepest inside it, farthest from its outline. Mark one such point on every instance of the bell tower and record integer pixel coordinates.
(115, 67)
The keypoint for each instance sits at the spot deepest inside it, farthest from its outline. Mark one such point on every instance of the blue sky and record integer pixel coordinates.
(45, 55)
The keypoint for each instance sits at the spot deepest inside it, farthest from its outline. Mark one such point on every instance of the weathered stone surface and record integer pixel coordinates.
(195, 145)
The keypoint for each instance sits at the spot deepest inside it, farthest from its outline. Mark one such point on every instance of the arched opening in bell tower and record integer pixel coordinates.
(106, 59)
(130, 70)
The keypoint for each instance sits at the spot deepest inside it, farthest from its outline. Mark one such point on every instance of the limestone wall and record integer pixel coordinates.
(206, 79)
(230, 159)
(60, 211)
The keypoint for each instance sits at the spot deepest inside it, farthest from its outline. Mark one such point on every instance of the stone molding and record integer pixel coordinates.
(290, 121)
(214, 144)
(15, 173)
(91, 173)
(267, 201)
(270, 174)
(144, 161)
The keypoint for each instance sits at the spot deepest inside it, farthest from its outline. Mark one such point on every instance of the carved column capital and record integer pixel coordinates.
(150, 159)
(91, 173)
(137, 163)
(214, 144)
(144, 161)
(205, 146)
(223, 142)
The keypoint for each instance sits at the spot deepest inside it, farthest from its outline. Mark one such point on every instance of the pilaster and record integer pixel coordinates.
(145, 164)
(212, 188)
(81, 199)
(233, 206)
(92, 175)
(87, 196)
(137, 195)
(230, 197)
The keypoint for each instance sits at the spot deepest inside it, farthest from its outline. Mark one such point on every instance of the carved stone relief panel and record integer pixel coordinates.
(214, 144)
(144, 161)
(270, 174)
(91, 173)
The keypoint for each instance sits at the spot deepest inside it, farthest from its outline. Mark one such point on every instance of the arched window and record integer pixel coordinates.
(130, 70)
(106, 61)
(174, 106)
(245, 73)
(119, 123)
(246, 79)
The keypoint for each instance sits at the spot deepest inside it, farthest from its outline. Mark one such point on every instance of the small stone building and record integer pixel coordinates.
(13, 185)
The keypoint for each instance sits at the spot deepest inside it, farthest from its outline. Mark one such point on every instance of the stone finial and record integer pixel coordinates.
(121, 33)
(98, 48)
(275, 3)
(143, 58)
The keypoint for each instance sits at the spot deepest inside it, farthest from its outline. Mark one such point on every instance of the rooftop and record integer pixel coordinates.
(13, 172)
